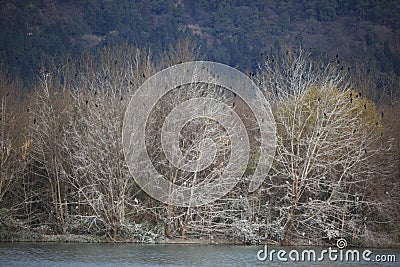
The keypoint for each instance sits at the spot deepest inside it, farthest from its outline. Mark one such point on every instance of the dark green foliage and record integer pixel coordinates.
(232, 32)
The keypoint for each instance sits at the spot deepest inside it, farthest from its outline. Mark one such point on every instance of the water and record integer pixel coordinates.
(67, 254)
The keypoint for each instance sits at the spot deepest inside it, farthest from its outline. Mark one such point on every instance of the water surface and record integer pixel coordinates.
(74, 254)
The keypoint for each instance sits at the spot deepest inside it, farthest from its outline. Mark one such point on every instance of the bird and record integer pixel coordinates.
(105, 77)
(144, 76)
(130, 82)
(338, 61)
(136, 201)
(122, 98)
(365, 150)
(86, 101)
(351, 94)
(272, 60)
(34, 121)
(96, 105)
(324, 114)
(376, 123)
(341, 68)
(319, 99)
(351, 100)
(337, 55)
(365, 106)
(359, 94)
(382, 114)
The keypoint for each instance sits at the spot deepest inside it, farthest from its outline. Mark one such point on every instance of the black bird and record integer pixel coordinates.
(105, 77)
(351, 94)
(273, 60)
(86, 102)
(341, 68)
(319, 99)
(267, 57)
(317, 133)
(348, 69)
(144, 76)
(261, 54)
(27, 110)
(130, 82)
(324, 114)
(338, 61)
(382, 114)
(96, 105)
(376, 123)
(122, 98)
(355, 130)
(95, 92)
(337, 55)
(233, 104)
(287, 52)
(365, 106)
(356, 95)
(34, 121)
(365, 150)
(351, 100)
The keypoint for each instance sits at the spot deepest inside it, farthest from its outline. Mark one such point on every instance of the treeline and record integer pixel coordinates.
(231, 32)
(335, 173)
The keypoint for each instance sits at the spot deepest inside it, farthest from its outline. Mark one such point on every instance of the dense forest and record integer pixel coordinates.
(329, 69)
(231, 32)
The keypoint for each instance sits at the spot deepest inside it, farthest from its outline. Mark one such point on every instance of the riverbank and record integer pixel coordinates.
(375, 242)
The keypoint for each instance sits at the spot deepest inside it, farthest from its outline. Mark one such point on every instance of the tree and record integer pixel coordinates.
(329, 138)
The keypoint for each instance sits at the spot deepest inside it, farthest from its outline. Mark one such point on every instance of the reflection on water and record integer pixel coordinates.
(63, 254)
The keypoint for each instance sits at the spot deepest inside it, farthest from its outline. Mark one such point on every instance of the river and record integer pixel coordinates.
(107, 254)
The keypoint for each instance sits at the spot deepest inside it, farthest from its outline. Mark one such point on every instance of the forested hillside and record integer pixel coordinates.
(231, 32)
(329, 69)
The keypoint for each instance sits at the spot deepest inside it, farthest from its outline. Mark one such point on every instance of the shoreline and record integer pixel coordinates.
(90, 239)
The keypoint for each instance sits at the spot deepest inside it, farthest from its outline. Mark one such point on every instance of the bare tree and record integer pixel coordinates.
(103, 188)
(328, 138)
